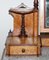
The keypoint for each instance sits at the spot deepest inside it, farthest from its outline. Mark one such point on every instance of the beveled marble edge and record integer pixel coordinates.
(10, 40)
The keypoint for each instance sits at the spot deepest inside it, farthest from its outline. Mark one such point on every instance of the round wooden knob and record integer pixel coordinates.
(23, 50)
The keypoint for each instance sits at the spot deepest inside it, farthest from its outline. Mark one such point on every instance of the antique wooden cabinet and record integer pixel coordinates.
(24, 39)
(44, 24)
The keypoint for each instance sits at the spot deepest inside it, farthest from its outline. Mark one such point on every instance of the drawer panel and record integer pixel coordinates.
(23, 50)
(45, 41)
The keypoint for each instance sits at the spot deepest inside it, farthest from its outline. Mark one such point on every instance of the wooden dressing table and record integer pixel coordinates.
(24, 39)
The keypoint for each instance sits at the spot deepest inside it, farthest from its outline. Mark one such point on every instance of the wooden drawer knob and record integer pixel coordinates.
(23, 50)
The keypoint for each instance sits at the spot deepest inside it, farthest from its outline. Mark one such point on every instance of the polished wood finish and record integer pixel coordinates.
(17, 50)
(35, 17)
(45, 42)
(44, 39)
(24, 39)
(26, 24)
(29, 24)
(17, 44)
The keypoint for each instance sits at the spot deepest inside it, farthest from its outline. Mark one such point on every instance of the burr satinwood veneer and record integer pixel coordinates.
(24, 39)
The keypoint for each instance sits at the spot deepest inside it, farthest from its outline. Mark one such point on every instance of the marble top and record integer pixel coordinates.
(18, 41)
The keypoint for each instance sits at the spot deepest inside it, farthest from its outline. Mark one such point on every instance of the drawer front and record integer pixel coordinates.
(23, 50)
(45, 42)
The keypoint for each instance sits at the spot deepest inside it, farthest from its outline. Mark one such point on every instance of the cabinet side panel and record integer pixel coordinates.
(29, 24)
(17, 24)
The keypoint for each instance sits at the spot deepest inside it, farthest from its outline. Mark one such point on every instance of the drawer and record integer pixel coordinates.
(23, 50)
(45, 41)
